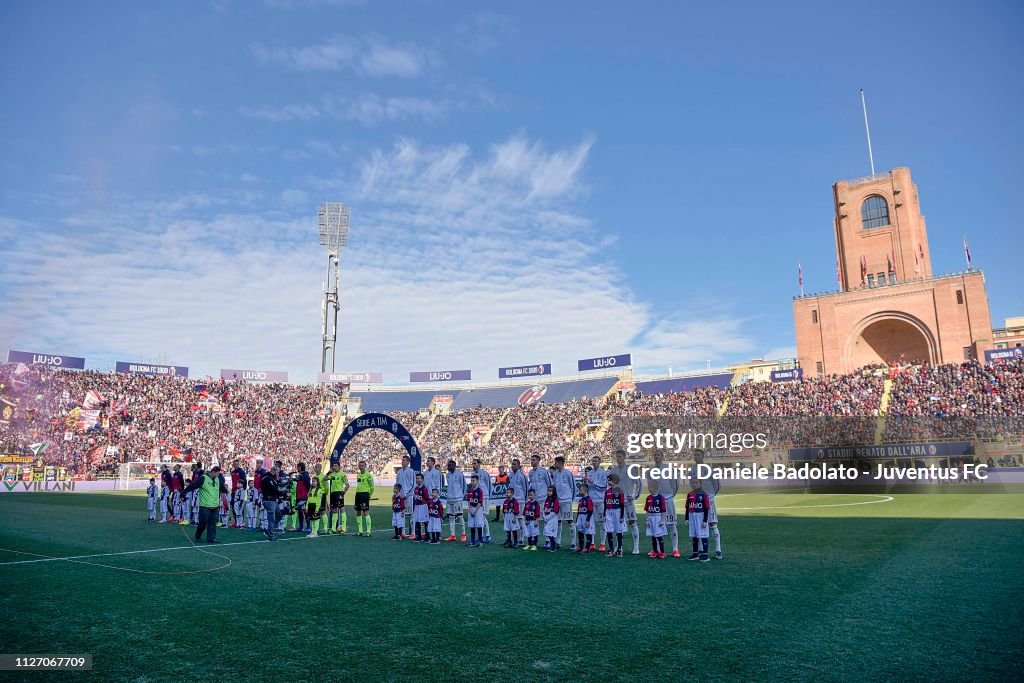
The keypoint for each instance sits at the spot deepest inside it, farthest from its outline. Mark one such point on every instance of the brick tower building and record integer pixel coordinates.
(890, 307)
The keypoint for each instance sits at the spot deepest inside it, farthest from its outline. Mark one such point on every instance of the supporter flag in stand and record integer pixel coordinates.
(88, 419)
(92, 400)
(95, 454)
(38, 448)
(20, 376)
(8, 406)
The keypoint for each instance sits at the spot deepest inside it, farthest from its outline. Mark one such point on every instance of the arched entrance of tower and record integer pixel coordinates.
(890, 337)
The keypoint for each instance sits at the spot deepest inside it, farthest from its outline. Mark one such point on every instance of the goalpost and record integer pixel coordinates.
(136, 475)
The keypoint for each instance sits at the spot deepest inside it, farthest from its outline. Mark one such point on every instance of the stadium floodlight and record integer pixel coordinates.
(332, 222)
(332, 219)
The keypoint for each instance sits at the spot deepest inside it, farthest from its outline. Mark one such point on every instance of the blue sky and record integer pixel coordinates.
(529, 182)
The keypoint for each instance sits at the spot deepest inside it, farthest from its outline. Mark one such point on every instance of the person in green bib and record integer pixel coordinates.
(292, 519)
(210, 487)
(335, 484)
(364, 491)
(315, 505)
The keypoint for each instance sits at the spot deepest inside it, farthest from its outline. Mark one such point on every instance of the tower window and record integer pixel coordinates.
(817, 366)
(814, 316)
(874, 212)
(959, 296)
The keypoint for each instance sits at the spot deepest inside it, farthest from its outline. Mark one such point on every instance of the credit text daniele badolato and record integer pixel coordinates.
(784, 472)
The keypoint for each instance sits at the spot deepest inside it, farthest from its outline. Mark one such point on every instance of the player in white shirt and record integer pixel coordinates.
(432, 478)
(668, 488)
(406, 478)
(711, 487)
(151, 496)
(484, 482)
(455, 497)
(519, 485)
(631, 486)
(238, 498)
(539, 479)
(565, 487)
(165, 494)
(597, 483)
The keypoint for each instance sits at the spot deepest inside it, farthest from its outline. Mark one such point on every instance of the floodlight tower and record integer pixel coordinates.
(332, 220)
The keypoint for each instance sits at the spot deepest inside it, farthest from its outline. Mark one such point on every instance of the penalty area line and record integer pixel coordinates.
(884, 499)
(150, 550)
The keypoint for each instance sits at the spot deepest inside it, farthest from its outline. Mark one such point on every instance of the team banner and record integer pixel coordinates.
(790, 375)
(996, 355)
(350, 377)
(941, 449)
(524, 371)
(54, 360)
(151, 370)
(605, 362)
(440, 376)
(254, 375)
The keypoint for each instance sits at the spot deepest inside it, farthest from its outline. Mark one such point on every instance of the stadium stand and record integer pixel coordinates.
(389, 401)
(91, 422)
(547, 392)
(678, 384)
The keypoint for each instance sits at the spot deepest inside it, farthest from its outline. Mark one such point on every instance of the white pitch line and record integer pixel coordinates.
(885, 499)
(151, 550)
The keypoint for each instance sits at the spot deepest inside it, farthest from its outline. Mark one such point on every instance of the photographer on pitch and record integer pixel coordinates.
(211, 487)
(275, 489)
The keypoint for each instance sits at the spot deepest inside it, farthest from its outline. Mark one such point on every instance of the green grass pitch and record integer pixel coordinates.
(925, 587)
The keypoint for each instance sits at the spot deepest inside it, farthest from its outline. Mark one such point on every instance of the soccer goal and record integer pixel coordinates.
(136, 475)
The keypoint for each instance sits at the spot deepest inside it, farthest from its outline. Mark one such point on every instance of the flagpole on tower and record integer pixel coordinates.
(864, 105)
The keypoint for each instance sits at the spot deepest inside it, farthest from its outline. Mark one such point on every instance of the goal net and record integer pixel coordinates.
(136, 475)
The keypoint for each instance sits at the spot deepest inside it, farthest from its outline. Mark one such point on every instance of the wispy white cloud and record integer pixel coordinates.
(368, 109)
(485, 31)
(297, 4)
(289, 112)
(457, 257)
(368, 56)
(294, 198)
(326, 148)
(371, 109)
